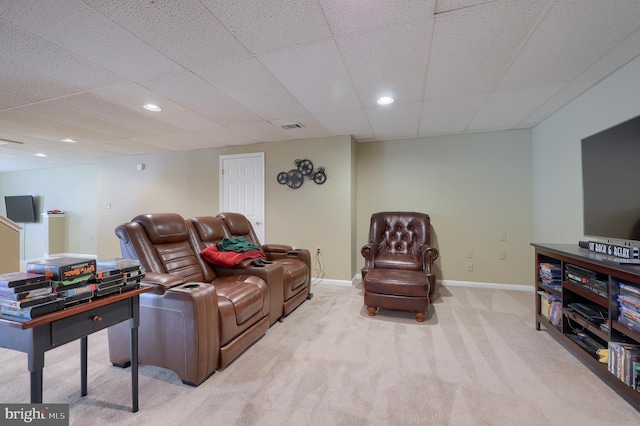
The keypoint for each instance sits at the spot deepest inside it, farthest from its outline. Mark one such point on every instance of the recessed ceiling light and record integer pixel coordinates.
(40, 155)
(385, 100)
(68, 140)
(152, 107)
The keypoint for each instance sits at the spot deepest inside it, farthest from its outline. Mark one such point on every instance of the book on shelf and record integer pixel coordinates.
(63, 269)
(118, 263)
(550, 273)
(19, 279)
(630, 303)
(12, 294)
(629, 289)
(630, 324)
(86, 289)
(33, 311)
(77, 299)
(25, 303)
(622, 357)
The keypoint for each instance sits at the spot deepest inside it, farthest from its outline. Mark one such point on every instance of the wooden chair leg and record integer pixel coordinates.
(372, 310)
(420, 316)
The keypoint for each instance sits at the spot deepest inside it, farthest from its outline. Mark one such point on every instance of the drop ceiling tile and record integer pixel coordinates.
(97, 128)
(622, 53)
(134, 96)
(225, 136)
(346, 17)
(249, 83)
(504, 110)
(315, 75)
(443, 6)
(342, 123)
(271, 24)
(544, 60)
(261, 131)
(86, 33)
(94, 106)
(395, 121)
(134, 146)
(30, 123)
(172, 27)
(451, 115)
(10, 98)
(311, 128)
(193, 93)
(390, 61)
(557, 101)
(472, 47)
(24, 81)
(190, 140)
(39, 56)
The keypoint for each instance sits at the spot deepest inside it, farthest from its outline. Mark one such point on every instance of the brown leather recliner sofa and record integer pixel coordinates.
(198, 318)
(193, 322)
(296, 263)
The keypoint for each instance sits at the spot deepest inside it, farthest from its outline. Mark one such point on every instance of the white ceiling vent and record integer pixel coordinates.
(290, 126)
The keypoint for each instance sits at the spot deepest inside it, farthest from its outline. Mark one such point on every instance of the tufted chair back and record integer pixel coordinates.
(400, 242)
(398, 237)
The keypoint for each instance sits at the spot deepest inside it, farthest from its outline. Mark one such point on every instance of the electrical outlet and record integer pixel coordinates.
(318, 250)
(470, 267)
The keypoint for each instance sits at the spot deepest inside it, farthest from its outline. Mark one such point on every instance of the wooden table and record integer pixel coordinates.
(35, 337)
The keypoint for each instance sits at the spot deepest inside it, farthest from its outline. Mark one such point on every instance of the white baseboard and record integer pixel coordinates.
(519, 287)
(325, 281)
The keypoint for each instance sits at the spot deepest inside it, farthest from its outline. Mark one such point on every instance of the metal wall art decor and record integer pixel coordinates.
(294, 178)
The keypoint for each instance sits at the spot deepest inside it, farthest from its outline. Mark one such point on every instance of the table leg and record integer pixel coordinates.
(134, 367)
(83, 365)
(36, 386)
(35, 364)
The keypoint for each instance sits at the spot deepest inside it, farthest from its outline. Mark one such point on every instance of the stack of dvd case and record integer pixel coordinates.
(107, 280)
(629, 304)
(27, 296)
(130, 271)
(70, 277)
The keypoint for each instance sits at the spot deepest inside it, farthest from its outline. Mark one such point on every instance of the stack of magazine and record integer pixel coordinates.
(27, 296)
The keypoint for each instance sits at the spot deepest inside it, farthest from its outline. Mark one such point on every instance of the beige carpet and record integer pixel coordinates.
(477, 360)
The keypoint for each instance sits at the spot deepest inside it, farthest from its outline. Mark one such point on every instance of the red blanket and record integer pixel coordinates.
(228, 258)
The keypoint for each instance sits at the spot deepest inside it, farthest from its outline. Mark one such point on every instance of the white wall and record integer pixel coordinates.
(187, 183)
(557, 172)
(72, 189)
(475, 187)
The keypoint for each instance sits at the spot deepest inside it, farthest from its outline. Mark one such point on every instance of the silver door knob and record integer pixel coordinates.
(258, 222)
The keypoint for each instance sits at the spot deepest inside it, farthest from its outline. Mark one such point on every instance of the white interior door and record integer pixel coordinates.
(242, 187)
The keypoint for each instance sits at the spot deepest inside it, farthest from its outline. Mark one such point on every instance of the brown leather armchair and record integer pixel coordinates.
(398, 269)
(296, 263)
(200, 331)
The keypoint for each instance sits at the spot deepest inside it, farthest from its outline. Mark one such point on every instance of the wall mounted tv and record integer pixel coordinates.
(20, 208)
(611, 183)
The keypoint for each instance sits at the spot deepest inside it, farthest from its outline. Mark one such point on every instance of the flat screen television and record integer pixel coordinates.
(20, 208)
(611, 183)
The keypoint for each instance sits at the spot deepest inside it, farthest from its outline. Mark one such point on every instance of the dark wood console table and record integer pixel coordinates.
(35, 337)
(611, 274)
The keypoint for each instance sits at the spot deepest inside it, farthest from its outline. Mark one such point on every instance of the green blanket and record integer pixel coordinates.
(237, 244)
